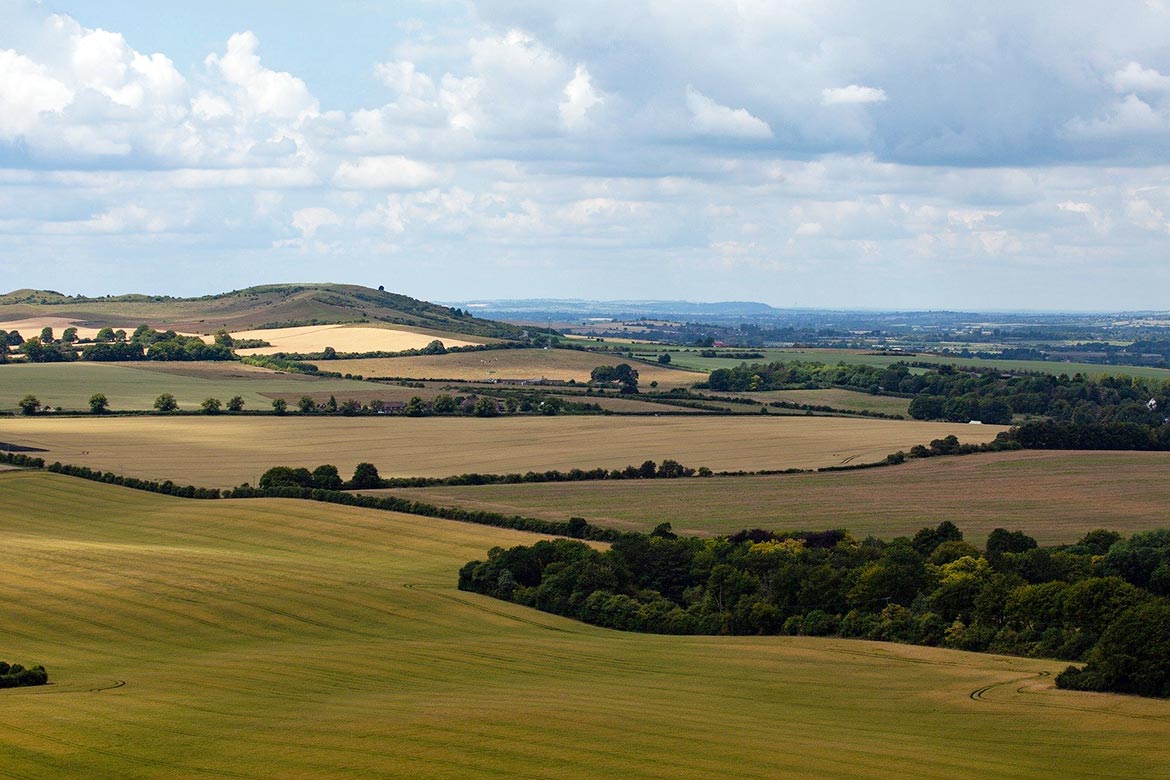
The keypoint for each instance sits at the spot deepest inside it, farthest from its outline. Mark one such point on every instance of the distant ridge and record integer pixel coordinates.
(253, 307)
(621, 309)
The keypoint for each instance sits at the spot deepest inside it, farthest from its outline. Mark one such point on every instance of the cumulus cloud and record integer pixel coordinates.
(1134, 78)
(26, 92)
(309, 220)
(711, 118)
(852, 94)
(393, 172)
(260, 90)
(580, 96)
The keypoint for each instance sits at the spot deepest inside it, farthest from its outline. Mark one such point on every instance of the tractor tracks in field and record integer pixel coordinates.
(980, 694)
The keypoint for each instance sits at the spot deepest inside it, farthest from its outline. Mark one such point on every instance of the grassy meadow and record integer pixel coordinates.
(224, 451)
(1055, 497)
(846, 400)
(695, 362)
(135, 386)
(266, 638)
(560, 364)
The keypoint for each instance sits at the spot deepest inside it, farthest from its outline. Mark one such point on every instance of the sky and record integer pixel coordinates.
(924, 154)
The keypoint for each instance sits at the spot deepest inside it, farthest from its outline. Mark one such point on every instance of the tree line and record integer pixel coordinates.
(1102, 601)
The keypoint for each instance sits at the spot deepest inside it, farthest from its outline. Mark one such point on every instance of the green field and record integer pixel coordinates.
(281, 639)
(693, 360)
(224, 451)
(847, 400)
(69, 386)
(1054, 496)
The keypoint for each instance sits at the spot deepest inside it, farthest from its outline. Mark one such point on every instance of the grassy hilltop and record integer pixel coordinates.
(265, 305)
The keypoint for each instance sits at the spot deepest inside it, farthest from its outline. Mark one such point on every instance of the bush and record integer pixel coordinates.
(166, 403)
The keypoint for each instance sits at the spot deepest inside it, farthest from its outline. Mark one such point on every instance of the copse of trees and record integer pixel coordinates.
(1109, 610)
(17, 676)
(622, 374)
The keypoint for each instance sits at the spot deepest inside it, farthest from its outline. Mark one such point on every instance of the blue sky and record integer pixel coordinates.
(932, 155)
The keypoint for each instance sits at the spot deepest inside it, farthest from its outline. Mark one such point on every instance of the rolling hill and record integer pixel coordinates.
(254, 307)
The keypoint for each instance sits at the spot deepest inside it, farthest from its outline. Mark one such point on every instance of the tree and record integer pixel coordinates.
(664, 358)
(69, 336)
(166, 403)
(210, 406)
(280, 406)
(487, 406)
(105, 334)
(306, 405)
(444, 404)
(415, 407)
(235, 404)
(29, 404)
(14, 338)
(434, 348)
(47, 335)
(224, 339)
(331, 404)
(98, 403)
(365, 477)
(326, 477)
(350, 407)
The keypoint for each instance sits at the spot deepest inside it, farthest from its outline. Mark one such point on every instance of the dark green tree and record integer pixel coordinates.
(365, 477)
(280, 406)
(98, 403)
(29, 404)
(166, 403)
(211, 406)
(235, 404)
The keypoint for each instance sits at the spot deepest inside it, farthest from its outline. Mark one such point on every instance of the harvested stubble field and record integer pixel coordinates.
(134, 386)
(1054, 496)
(558, 364)
(260, 639)
(350, 338)
(226, 451)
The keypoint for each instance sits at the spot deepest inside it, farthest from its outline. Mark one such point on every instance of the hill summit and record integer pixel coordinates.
(270, 305)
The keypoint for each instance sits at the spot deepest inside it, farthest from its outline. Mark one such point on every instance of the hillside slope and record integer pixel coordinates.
(253, 307)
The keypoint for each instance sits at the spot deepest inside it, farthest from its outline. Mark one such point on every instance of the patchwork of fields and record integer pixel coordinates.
(226, 451)
(264, 638)
(1055, 497)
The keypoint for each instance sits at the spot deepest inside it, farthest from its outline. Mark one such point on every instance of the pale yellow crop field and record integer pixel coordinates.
(558, 364)
(264, 639)
(346, 338)
(227, 451)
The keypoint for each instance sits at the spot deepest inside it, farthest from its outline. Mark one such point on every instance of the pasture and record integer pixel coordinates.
(695, 362)
(224, 451)
(263, 638)
(1055, 497)
(847, 400)
(349, 338)
(559, 364)
(134, 386)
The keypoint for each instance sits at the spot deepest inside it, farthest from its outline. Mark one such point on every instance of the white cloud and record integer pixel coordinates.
(261, 90)
(711, 118)
(1127, 117)
(1134, 78)
(309, 220)
(26, 92)
(852, 94)
(393, 172)
(580, 96)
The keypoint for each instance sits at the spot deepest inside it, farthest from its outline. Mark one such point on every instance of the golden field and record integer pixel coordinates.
(219, 451)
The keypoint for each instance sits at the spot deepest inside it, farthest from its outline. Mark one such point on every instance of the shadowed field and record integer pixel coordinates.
(261, 639)
(226, 451)
(1054, 496)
